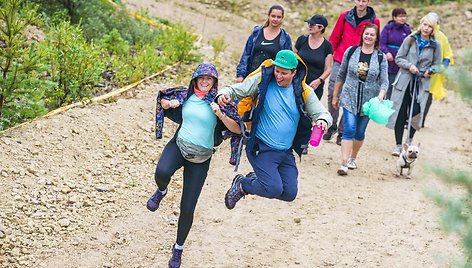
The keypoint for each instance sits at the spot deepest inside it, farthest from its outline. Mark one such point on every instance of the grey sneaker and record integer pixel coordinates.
(342, 170)
(397, 150)
(351, 164)
(235, 193)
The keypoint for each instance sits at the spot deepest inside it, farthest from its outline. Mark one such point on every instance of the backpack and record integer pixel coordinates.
(352, 49)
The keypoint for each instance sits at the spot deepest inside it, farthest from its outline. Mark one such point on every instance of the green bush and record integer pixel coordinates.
(84, 40)
(20, 68)
(75, 65)
(460, 77)
(456, 214)
(96, 18)
(177, 43)
(114, 44)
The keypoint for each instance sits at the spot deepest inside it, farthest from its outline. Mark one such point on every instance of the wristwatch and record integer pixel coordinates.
(321, 79)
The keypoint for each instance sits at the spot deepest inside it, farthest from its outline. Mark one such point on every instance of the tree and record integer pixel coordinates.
(20, 96)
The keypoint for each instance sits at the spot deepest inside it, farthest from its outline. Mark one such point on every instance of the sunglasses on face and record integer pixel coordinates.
(317, 25)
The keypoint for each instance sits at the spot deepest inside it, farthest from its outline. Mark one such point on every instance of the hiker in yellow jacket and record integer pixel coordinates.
(281, 124)
(437, 90)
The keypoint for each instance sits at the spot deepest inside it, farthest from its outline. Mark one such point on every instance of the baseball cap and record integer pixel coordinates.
(318, 19)
(286, 59)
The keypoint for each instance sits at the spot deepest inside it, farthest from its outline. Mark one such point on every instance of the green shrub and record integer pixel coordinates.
(20, 85)
(75, 65)
(177, 43)
(114, 44)
(219, 45)
(456, 214)
(460, 77)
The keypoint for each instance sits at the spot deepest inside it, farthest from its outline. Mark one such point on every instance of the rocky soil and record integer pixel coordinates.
(74, 188)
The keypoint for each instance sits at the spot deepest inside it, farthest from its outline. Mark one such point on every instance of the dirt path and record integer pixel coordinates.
(75, 186)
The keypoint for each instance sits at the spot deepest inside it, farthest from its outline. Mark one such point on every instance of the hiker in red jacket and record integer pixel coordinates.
(347, 32)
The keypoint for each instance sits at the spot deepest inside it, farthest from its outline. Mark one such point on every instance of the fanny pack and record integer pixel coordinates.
(193, 153)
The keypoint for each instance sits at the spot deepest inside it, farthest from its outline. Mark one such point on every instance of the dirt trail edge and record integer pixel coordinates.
(74, 189)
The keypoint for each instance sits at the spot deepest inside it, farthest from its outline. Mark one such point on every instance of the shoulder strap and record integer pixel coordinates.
(350, 52)
(380, 56)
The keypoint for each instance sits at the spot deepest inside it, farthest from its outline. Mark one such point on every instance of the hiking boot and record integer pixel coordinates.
(397, 150)
(351, 164)
(327, 136)
(342, 170)
(339, 139)
(235, 192)
(155, 200)
(176, 258)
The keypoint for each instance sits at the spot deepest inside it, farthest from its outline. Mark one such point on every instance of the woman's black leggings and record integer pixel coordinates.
(194, 178)
(402, 118)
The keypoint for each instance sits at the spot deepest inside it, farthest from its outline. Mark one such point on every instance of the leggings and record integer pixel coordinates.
(194, 178)
(402, 118)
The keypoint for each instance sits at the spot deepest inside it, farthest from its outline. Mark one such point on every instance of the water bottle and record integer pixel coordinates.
(316, 134)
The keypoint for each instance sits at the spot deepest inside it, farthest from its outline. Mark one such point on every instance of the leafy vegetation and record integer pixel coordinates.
(20, 66)
(460, 77)
(74, 65)
(85, 45)
(456, 216)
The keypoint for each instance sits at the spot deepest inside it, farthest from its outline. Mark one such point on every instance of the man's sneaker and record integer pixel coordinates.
(327, 136)
(351, 164)
(397, 150)
(155, 200)
(342, 170)
(176, 258)
(235, 192)
(339, 139)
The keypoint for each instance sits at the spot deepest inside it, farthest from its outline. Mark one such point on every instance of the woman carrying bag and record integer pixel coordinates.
(362, 75)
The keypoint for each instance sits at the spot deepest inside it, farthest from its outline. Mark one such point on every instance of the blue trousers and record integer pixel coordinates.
(276, 174)
(354, 126)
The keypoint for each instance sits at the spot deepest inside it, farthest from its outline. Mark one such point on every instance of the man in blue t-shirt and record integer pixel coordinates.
(281, 123)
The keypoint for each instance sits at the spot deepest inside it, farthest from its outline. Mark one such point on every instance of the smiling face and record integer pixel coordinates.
(205, 83)
(369, 36)
(283, 76)
(275, 17)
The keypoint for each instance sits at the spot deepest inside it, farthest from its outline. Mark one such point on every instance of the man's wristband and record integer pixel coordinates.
(321, 79)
